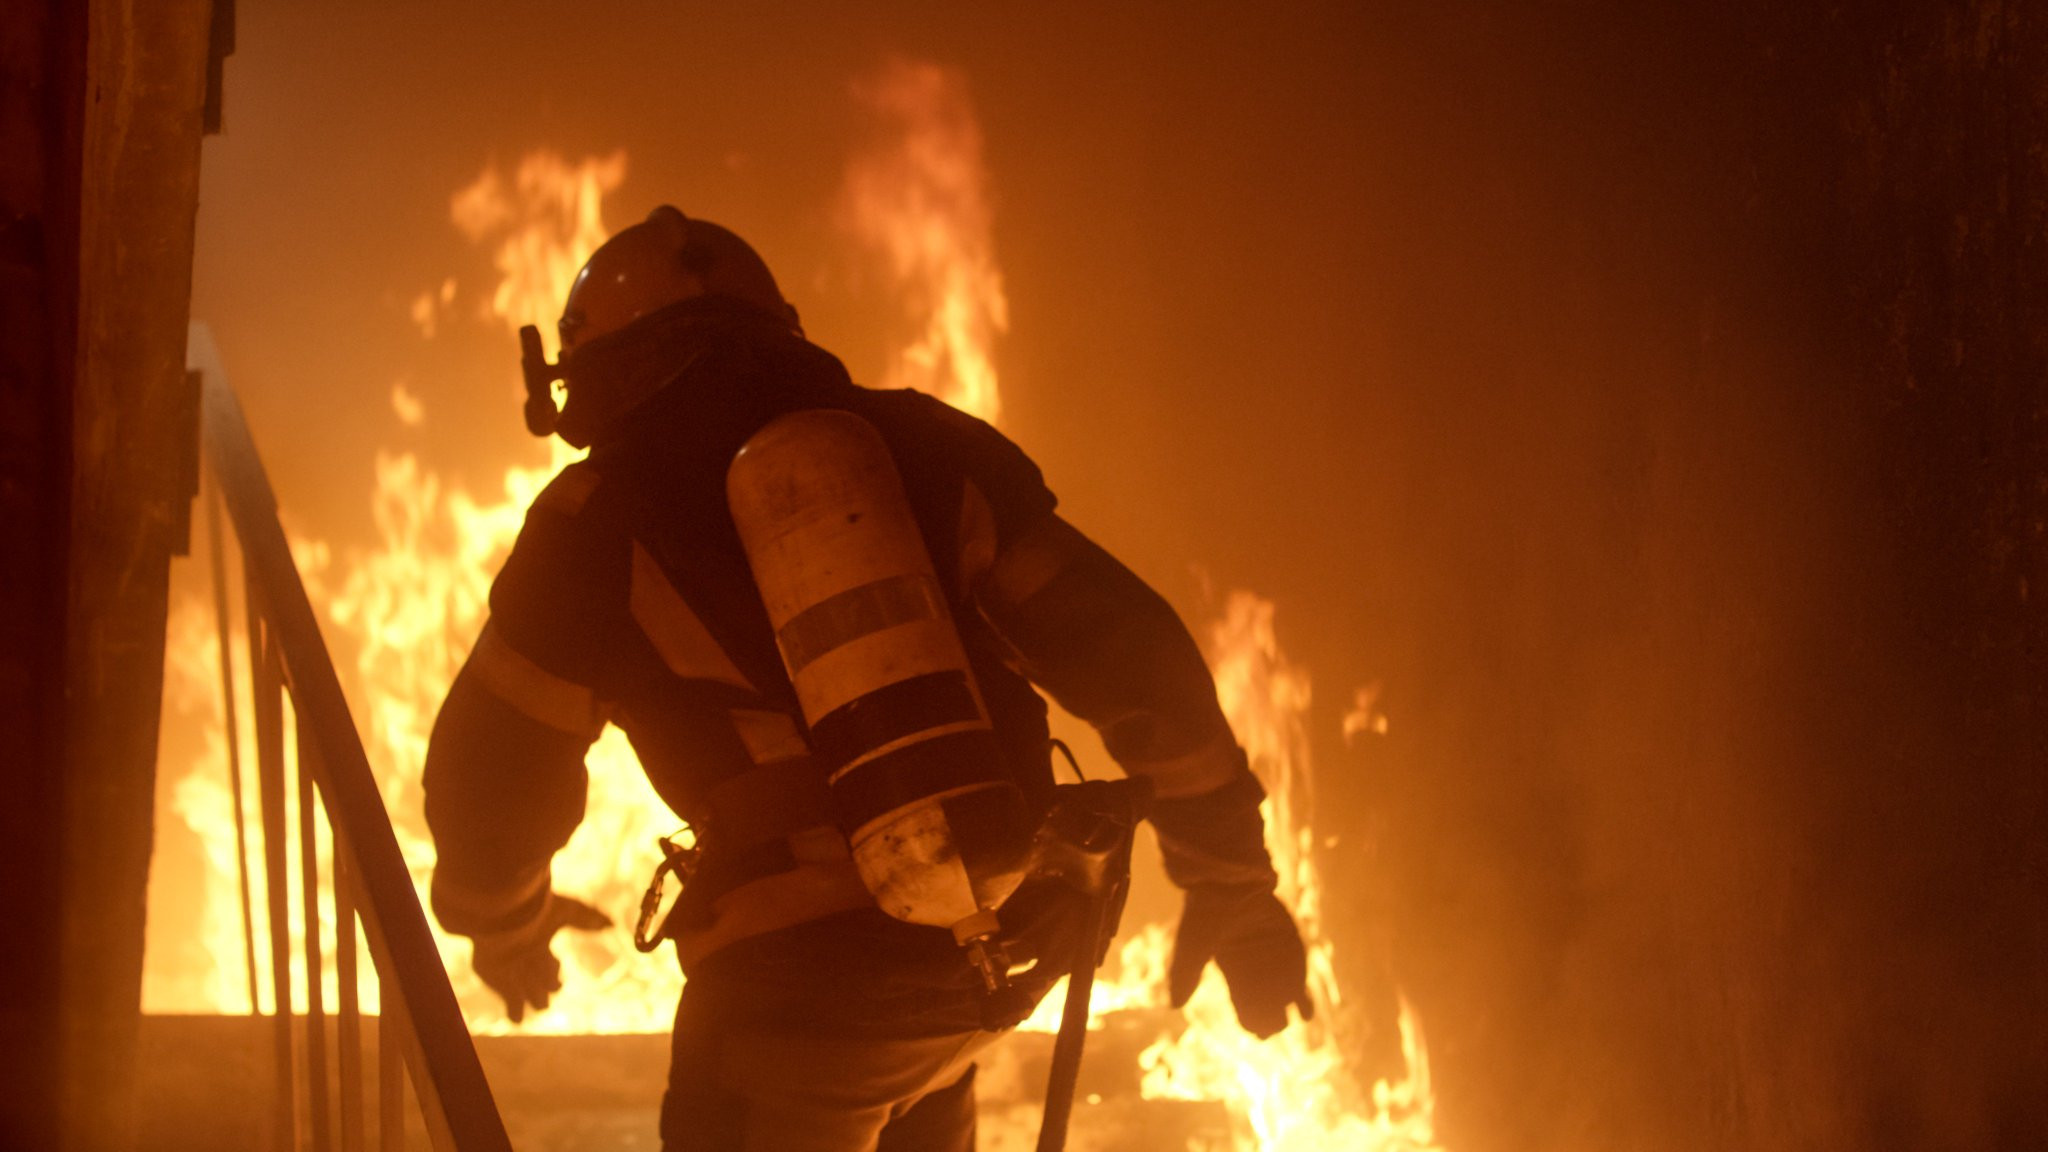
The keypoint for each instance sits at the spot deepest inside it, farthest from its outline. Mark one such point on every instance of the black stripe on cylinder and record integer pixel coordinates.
(890, 713)
(914, 772)
(857, 612)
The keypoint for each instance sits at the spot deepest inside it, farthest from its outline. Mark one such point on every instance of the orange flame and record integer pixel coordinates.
(1295, 1090)
(207, 974)
(921, 199)
(415, 604)
(411, 606)
(546, 221)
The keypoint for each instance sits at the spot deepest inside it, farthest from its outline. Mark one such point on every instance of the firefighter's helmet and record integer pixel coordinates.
(663, 260)
(649, 267)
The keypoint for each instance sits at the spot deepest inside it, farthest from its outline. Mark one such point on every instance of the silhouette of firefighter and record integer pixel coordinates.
(819, 611)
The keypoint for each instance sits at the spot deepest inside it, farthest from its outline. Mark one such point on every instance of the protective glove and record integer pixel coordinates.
(1248, 932)
(519, 965)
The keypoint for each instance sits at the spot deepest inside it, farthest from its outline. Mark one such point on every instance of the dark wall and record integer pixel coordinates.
(1717, 821)
(42, 57)
(1943, 202)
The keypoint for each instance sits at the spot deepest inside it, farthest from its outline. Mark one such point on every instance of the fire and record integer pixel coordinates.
(921, 200)
(210, 974)
(546, 223)
(213, 980)
(1293, 1091)
(412, 607)
(408, 609)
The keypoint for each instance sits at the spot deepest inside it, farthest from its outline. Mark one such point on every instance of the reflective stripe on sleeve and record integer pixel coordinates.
(494, 909)
(1203, 770)
(1189, 866)
(977, 536)
(536, 693)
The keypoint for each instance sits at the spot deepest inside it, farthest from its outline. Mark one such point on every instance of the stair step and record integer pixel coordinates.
(204, 1085)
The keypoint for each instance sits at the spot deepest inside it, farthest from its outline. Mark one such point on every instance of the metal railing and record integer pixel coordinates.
(420, 1034)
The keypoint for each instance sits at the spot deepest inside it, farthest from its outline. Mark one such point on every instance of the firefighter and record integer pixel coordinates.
(811, 1019)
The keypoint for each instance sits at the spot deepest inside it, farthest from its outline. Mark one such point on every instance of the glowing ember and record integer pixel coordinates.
(1365, 717)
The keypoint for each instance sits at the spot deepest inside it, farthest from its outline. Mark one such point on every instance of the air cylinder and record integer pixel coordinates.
(938, 829)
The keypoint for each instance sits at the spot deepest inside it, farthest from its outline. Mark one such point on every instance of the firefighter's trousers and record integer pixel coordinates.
(736, 1087)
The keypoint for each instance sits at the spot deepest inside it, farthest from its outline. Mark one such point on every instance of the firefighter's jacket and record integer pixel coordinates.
(627, 599)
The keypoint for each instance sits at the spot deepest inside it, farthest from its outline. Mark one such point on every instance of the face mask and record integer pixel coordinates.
(607, 376)
(611, 375)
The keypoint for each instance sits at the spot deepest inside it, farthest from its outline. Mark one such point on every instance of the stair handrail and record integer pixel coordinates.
(448, 1080)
